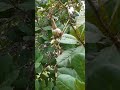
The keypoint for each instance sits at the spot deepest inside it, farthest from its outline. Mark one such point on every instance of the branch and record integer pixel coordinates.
(71, 23)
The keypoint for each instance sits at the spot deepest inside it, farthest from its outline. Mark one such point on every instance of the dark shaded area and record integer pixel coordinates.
(17, 44)
(102, 44)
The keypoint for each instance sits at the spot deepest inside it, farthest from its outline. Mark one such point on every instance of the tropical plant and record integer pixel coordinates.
(60, 51)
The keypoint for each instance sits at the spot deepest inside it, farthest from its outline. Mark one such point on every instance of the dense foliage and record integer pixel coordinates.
(17, 44)
(60, 62)
(102, 44)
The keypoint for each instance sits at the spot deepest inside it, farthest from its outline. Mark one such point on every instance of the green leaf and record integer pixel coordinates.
(68, 39)
(93, 34)
(4, 6)
(37, 85)
(37, 65)
(64, 84)
(79, 85)
(39, 59)
(50, 85)
(42, 84)
(68, 71)
(65, 58)
(37, 53)
(38, 56)
(47, 28)
(80, 32)
(78, 63)
(37, 28)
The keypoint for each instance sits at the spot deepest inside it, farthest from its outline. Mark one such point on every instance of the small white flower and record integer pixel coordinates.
(70, 10)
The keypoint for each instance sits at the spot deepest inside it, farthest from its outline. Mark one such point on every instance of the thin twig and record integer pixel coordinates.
(64, 29)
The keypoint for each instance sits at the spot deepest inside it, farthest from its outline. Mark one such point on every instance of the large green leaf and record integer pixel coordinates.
(79, 85)
(67, 71)
(70, 84)
(78, 63)
(64, 84)
(65, 58)
(68, 39)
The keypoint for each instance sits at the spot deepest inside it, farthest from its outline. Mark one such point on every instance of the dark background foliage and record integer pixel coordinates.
(102, 44)
(17, 44)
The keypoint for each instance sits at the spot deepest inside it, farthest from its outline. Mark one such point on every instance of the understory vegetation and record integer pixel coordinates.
(60, 57)
(17, 44)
